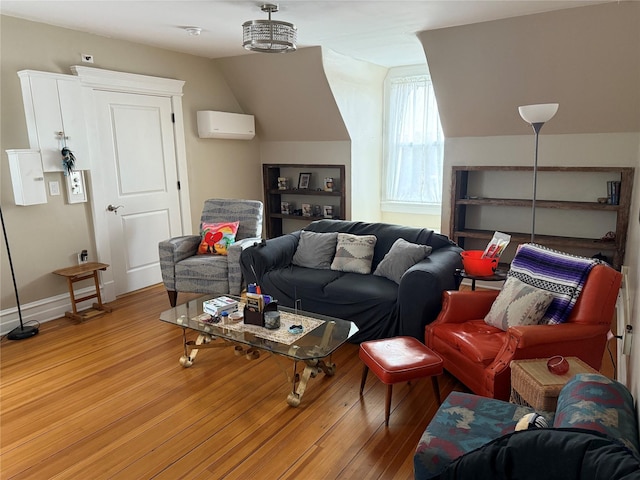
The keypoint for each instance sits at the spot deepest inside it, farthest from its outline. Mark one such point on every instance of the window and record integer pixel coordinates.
(414, 144)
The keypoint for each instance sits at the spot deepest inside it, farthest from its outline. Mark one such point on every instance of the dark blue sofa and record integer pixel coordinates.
(378, 306)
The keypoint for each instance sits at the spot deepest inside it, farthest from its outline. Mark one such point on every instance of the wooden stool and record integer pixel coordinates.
(80, 272)
(399, 359)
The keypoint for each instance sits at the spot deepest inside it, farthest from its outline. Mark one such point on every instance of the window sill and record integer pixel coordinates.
(416, 208)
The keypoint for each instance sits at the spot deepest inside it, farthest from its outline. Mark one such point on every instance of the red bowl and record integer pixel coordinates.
(475, 265)
(558, 365)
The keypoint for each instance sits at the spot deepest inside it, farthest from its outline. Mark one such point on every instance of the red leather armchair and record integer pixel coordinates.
(479, 355)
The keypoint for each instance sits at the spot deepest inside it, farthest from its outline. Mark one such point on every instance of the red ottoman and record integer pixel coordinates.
(399, 359)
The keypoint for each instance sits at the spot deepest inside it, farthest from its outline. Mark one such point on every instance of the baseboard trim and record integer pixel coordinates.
(43, 310)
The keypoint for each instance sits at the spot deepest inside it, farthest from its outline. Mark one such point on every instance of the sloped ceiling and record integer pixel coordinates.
(288, 94)
(587, 59)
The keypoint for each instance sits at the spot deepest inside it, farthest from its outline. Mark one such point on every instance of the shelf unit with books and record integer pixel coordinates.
(489, 198)
(276, 193)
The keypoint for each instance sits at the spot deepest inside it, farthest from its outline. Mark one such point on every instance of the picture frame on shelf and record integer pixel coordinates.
(304, 180)
(327, 211)
(307, 210)
(285, 208)
(283, 183)
(328, 184)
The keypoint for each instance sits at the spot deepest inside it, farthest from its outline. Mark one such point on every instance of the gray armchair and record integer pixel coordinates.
(185, 271)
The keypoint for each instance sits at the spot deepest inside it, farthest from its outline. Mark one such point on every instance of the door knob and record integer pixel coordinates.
(114, 208)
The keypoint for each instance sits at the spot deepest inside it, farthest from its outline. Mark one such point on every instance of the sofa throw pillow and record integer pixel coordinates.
(401, 257)
(354, 253)
(216, 237)
(518, 304)
(315, 250)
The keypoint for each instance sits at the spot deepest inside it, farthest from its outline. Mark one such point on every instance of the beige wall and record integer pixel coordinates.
(46, 237)
(331, 101)
(289, 95)
(587, 59)
(358, 88)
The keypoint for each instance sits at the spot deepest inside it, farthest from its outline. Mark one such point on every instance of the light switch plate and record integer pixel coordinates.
(76, 188)
(54, 188)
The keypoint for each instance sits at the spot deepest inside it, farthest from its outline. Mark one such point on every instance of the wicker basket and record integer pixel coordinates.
(533, 385)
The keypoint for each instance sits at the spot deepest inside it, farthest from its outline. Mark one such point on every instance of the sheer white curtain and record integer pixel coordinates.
(414, 143)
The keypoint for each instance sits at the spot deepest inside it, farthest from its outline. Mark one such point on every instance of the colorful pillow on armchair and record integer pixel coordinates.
(216, 237)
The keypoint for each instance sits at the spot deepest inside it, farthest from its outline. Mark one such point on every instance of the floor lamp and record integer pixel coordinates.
(536, 115)
(21, 332)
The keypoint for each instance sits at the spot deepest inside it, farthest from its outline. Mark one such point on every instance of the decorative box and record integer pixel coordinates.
(216, 306)
(253, 315)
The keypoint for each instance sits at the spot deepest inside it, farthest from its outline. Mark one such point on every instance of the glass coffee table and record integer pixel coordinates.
(319, 337)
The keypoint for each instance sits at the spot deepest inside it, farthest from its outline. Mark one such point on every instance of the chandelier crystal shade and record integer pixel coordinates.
(269, 36)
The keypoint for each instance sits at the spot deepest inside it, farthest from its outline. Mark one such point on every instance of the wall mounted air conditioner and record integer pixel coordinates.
(225, 125)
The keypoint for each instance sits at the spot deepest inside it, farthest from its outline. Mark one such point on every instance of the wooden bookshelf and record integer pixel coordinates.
(315, 194)
(466, 203)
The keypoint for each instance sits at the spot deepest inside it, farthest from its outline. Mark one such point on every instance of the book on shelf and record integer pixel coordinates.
(613, 192)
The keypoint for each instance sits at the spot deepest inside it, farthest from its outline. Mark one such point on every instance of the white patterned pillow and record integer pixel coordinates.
(354, 253)
(518, 304)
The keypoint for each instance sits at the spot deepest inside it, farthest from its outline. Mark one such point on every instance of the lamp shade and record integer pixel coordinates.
(540, 113)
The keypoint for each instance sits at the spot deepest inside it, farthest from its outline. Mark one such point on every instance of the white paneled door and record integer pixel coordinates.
(138, 162)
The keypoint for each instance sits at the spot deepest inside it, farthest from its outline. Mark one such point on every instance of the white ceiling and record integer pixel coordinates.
(380, 32)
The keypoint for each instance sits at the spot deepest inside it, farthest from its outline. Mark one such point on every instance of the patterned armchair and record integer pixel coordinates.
(183, 270)
(593, 434)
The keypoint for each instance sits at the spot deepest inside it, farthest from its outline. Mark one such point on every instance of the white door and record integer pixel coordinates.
(138, 164)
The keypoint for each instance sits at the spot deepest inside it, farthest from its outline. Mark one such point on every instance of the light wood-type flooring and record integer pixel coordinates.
(107, 398)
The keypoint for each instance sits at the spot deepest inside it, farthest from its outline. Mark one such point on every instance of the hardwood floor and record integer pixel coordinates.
(107, 398)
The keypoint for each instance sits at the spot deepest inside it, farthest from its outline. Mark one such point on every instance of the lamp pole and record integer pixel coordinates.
(536, 116)
(21, 332)
(536, 128)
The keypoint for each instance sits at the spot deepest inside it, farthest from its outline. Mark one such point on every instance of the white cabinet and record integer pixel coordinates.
(27, 177)
(55, 117)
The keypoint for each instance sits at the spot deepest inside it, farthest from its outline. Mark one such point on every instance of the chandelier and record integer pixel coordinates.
(269, 36)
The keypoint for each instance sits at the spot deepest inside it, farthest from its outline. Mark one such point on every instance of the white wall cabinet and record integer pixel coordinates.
(27, 177)
(55, 117)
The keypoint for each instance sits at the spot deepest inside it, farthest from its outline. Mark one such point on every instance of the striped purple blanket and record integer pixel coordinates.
(561, 274)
